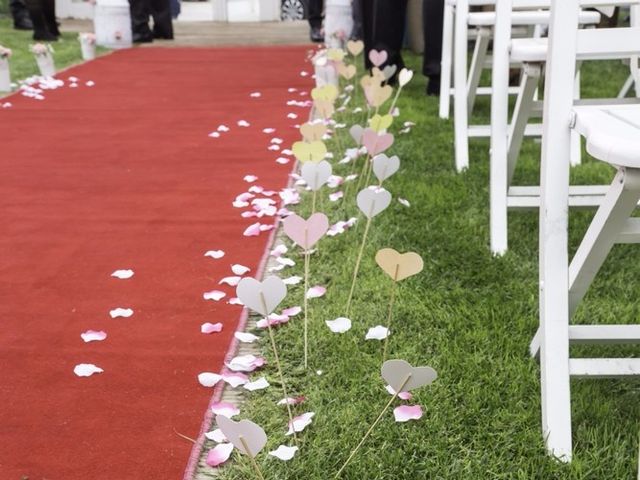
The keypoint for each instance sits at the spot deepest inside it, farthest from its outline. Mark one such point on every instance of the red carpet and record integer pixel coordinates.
(124, 175)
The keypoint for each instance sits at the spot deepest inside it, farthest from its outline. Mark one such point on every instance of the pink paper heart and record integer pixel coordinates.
(375, 143)
(378, 57)
(306, 232)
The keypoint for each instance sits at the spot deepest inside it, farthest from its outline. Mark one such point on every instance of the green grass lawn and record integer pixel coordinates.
(22, 63)
(469, 315)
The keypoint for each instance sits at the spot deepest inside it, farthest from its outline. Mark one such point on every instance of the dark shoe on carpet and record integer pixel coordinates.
(142, 38)
(316, 35)
(162, 36)
(433, 87)
(23, 23)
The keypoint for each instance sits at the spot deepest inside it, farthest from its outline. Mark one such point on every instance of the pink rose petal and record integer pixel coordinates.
(208, 379)
(316, 292)
(404, 413)
(93, 336)
(245, 337)
(239, 269)
(231, 281)
(214, 295)
(214, 254)
(284, 452)
(235, 379)
(401, 395)
(252, 230)
(219, 454)
(300, 423)
(292, 311)
(208, 328)
(86, 369)
(216, 436)
(224, 408)
(292, 400)
(250, 178)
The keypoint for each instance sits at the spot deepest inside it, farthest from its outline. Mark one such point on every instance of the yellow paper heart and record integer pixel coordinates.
(324, 108)
(313, 131)
(399, 265)
(380, 122)
(326, 93)
(377, 94)
(335, 54)
(378, 75)
(347, 71)
(355, 47)
(309, 151)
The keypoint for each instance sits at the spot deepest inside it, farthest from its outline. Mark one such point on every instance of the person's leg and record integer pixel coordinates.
(356, 33)
(40, 27)
(161, 13)
(140, 12)
(384, 25)
(49, 10)
(20, 15)
(433, 12)
(314, 14)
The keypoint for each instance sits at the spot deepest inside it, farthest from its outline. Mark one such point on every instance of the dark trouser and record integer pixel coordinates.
(432, 14)
(43, 16)
(159, 10)
(18, 10)
(357, 33)
(384, 25)
(315, 13)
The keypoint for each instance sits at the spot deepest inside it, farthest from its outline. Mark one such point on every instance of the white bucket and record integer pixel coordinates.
(46, 65)
(112, 23)
(338, 22)
(5, 76)
(88, 48)
(324, 70)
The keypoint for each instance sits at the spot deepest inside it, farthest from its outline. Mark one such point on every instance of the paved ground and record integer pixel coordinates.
(218, 33)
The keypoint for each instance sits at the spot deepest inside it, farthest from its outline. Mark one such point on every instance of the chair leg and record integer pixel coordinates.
(603, 232)
(447, 54)
(522, 113)
(626, 88)
(477, 66)
(460, 86)
(576, 150)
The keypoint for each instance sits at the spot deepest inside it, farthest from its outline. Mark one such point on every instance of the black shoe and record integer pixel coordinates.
(23, 23)
(316, 35)
(142, 37)
(45, 36)
(433, 87)
(162, 35)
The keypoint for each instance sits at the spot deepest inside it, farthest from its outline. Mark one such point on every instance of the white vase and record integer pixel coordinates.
(5, 75)
(112, 24)
(45, 64)
(88, 48)
(338, 23)
(324, 70)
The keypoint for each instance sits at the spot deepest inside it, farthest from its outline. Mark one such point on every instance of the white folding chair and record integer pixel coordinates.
(507, 138)
(466, 84)
(612, 135)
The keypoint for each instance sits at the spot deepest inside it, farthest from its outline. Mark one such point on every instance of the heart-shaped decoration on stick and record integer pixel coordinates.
(356, 132)
(306, 233)
(402, 377)
(384, 167)
(355, 47)
(316, 174)
(309, 151)
(312, 132)
(378, 122)
(378, 94)
(245, 435)
(378, 57)
(389, 71)
(372, 201)
(262, 297)
(327, 93)
(375, 143)
(399, 265)
(347, 71)
(405, 76)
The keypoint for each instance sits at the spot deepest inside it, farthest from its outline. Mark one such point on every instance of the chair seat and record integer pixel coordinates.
(532, 50)
(527, 17)
(612, 132)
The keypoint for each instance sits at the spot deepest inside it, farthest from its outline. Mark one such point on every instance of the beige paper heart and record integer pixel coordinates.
(347, 71)
(324, 108)
(399, 265)
(309, 151)
(245, 435)
(402, 377)
(312, 132)
(355, 47)
(378, 94)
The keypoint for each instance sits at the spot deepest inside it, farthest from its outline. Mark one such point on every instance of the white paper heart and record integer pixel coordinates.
(356, 133)
(316, 174)
(384, 167)
(405, 76)
(402, 377)
(262, 297)
(389, 71)
(245, 435)
(373, 201)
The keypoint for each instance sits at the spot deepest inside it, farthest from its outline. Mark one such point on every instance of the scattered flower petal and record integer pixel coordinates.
(404, 202)
(219, 454)
(216, 436)
(209, 379)
(211, 328)
(214, 254)
(292, 400)
(401, 395)
(231, 281)
(300, 423)
(268, 130)
(292, 280)
(245, 363)
(259, 384)
(279, 250)
(224, 408)
(250, 178)
(252, 230)
(339, 325)
(377, 333)
(292, 311)
(243, 123)
(121, 312)
(255, 94)
(404, 413)
(245, 337)
(214, 295)
(239, 269)
(316, 292)
(235, 379)
(86, 369)
(284, 452)
(123, 274)
(93, 336)
(334, 197)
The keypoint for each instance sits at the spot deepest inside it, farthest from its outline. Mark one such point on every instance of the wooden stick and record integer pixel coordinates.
(277, 359)
(395, 100)
(306, 302)
(373, 425)
(357, 267)
(394, 287)
(250, 455)
(313, 202)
